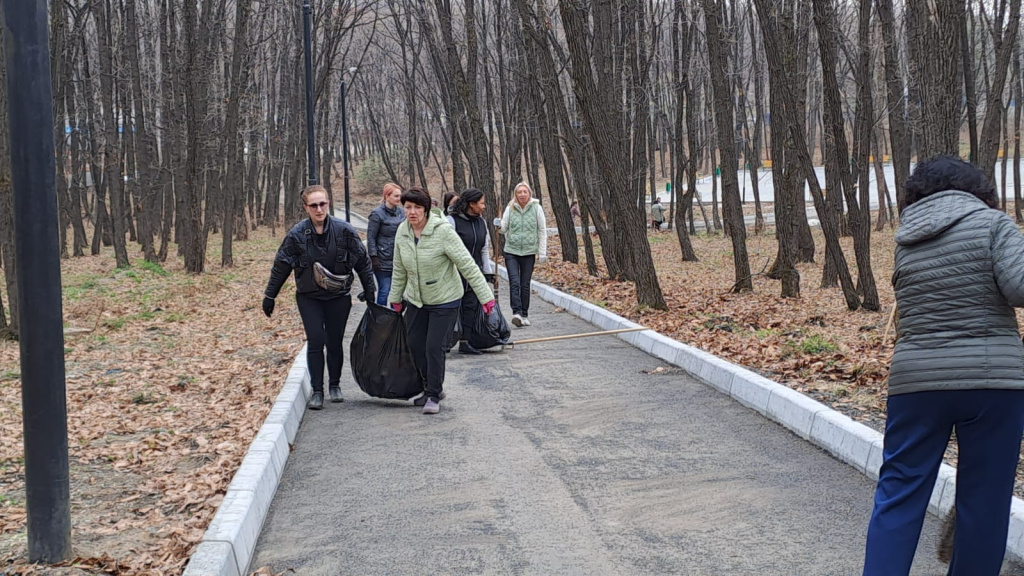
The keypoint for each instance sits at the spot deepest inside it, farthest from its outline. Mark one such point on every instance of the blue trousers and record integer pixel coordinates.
(383, 286)
(988, 427)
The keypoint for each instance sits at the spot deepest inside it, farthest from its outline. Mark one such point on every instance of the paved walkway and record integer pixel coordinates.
(564, 458)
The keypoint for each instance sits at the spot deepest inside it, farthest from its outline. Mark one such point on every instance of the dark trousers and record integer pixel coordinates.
(429, 330)
(520, 273)
(988, 431)
(324, 322)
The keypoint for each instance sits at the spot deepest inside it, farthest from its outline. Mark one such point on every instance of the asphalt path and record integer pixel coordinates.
(564, 458)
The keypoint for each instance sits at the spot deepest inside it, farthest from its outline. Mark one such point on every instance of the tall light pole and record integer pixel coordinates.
(37, 261)
(344, 142)
(307, 37)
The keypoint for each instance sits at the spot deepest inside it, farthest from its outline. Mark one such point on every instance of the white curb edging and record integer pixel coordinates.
(230, 540)
(838, 434)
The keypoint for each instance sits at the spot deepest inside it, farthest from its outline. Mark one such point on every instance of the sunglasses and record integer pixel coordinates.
(318, 205)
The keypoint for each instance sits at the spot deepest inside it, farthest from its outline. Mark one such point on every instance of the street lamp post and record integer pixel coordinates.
(37, 261)
(344, 143)
(307, 33)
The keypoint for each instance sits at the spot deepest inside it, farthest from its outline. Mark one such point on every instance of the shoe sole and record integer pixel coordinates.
(337, 401)
(426, 411)
(442, 397)
(518, 323)
(315, 407)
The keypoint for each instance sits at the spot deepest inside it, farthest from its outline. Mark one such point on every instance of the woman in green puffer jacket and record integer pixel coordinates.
(429, 256)
(526, 244)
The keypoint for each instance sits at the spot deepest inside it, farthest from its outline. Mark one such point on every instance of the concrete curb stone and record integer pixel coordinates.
(230, 540)
(838, 434)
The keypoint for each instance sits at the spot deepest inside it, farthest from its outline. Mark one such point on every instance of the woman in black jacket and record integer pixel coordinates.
(467, 218)
(335, 245)
(380, 237)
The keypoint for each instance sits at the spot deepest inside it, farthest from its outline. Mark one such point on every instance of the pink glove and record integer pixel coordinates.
(396, 306)
(488, 307)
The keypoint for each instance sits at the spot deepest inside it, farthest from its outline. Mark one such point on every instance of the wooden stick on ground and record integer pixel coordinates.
(890, 324)
(571, 336)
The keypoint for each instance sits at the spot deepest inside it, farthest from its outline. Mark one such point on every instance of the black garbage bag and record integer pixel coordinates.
(381, 361)
(454, 337)
(489, 330)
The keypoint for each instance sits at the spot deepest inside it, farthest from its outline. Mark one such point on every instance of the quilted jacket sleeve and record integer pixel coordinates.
(372, 229)
(1008, 259)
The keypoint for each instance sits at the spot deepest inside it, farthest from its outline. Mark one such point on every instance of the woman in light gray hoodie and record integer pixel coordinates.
(958, 365)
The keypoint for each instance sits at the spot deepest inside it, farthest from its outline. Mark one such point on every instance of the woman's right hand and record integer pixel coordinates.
(268, 306)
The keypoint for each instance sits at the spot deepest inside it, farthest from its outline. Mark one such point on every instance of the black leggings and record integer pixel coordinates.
(429, 330)
(324, 321)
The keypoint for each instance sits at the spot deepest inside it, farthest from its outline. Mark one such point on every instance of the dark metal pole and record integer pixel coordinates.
(307, 25)
(41, 338)
(344, 148)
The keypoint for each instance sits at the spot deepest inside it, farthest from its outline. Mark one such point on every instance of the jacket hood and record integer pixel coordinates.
(437, 218)
(931, 216)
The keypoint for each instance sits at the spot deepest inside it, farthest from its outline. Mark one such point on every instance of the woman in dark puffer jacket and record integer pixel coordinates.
(958, 365)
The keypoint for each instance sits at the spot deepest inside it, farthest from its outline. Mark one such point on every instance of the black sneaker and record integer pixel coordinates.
(334, 393)
(465, 348)
(421, 400)
(317, 401)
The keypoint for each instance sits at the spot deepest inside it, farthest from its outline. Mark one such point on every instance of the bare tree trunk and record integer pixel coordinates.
(725, 123)
(769, 26)
(234, 191)
(148, 163)
(112, 161)
(682, 43)
(899, 131)
(603, 120)
(7, 254)
(935, 64)
(1018, 209)
(1004, 41)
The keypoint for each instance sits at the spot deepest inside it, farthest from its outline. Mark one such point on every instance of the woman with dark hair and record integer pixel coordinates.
(429, 256)
(467, 218)
(958, 365)
(450, 198)
(380, 237)
(334, 244)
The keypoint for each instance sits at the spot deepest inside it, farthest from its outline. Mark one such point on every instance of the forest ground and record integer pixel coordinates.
(169, 377)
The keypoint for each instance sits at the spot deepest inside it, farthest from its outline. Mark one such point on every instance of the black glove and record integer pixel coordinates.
(489, 278)
(361, 296)
(375, 262)
(268, 306)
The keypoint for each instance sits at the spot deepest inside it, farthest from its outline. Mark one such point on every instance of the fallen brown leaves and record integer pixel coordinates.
(165, 392)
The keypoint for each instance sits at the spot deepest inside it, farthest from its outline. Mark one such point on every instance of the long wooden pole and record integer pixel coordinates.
(571, 336)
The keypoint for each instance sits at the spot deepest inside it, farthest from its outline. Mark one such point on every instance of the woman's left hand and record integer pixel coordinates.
(489, 307)
(542, 260)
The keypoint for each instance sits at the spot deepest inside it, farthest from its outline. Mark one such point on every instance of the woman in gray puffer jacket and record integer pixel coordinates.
(958, 364)
(380, 238)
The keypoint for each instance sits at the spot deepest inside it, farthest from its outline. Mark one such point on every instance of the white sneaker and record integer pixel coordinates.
(517, 320)
(526, 321)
